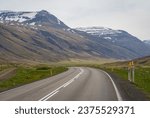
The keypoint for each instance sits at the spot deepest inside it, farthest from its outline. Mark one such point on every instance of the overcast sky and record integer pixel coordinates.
(130, 15)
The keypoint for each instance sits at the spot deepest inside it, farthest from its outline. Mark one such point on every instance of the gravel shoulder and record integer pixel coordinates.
(128, 90)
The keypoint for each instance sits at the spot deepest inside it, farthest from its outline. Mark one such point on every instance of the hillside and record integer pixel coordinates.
(42, 37)
(138, 62)
(145, 61)
(129, 45)
(50, 44)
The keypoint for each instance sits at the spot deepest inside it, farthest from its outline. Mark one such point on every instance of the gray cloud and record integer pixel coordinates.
(130, 15)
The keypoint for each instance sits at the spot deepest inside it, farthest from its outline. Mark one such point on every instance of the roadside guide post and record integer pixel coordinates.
(51, 72)
(131, 71)
(1, 66)
(132, 63)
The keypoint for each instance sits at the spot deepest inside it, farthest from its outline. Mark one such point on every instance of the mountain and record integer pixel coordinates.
(129, 45)
(40, 18)
(99, 31)
(42, 44)
(147, 42)
(41, 36)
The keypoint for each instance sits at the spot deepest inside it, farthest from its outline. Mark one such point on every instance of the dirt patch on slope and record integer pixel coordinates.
(7, 74)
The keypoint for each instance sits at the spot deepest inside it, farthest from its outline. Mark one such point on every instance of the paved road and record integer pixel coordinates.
(76, 84)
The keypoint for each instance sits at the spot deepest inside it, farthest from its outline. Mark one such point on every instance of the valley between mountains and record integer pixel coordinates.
(41, 58)
(42, 37)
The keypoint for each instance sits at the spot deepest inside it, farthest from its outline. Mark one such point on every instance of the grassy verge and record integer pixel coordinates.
(142, 76)
(26, 75)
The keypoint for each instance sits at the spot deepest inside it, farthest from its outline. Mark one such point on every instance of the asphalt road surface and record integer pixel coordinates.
(76, 84)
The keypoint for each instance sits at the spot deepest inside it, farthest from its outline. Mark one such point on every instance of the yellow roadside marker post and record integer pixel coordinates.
(131, 71)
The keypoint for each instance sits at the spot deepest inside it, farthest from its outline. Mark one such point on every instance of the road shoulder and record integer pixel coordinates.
(129, 91)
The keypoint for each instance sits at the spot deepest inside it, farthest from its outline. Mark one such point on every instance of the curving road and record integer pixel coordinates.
(76, 84)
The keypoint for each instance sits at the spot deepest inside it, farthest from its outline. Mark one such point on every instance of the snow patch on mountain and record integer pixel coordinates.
(147, 42)
(58, 21)
(33, 23)
(17, 16)
(107, 38)
(69, 30)
(98, 30)
(30, 15)
(39, 18)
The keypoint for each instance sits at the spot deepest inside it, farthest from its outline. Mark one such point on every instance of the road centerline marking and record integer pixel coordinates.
(62, 86)
(68, 83)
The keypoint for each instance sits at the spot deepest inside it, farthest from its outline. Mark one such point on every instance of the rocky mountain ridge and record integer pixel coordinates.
(41, 36)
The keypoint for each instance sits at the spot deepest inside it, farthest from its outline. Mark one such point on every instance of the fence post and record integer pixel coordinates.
(51, 71)
(1, 67)
(133, 73)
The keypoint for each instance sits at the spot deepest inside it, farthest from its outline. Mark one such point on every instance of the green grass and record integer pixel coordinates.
(142, 76)
(26, 75)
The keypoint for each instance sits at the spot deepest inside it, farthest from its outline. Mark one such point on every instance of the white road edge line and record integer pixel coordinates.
(64, 85)
(115, 87)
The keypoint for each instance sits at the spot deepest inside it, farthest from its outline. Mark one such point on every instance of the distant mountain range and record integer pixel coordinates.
(128, 45)
(41, 36)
